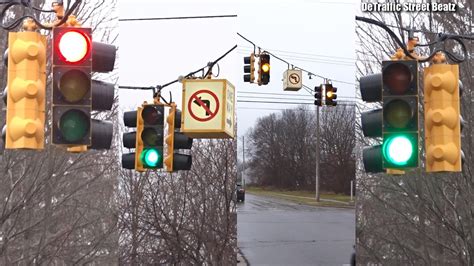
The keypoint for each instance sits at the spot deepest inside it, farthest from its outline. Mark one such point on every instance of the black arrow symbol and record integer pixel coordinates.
(205, 102)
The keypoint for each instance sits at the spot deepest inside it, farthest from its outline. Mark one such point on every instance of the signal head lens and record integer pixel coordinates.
(74, 125)
(74, 46)
(266, 67)
(152, 116)
(151, 137)
(398, 114)
(397, 78)
(74, 85)
(151, 158)
(398, 150)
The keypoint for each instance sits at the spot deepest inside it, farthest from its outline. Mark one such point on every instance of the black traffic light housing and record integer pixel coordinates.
(75, 94)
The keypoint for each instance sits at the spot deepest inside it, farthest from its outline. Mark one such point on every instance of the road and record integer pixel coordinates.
(277, 232)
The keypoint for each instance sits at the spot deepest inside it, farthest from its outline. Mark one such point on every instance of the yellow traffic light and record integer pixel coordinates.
(139, 142)
(442, 118)
(175, 140)
(26, 90)
(169, 139)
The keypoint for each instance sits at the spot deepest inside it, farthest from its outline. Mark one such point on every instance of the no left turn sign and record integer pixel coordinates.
(203, 105)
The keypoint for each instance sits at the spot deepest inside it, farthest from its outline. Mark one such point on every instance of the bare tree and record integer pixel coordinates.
(57, 207)
(416, 218)
(184, 218)
(282, 149)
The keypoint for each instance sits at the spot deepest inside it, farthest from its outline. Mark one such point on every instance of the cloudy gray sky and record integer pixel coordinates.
(315, 35)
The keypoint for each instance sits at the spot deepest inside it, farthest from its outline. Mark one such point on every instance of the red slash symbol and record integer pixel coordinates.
(201, 98)
(206, 104)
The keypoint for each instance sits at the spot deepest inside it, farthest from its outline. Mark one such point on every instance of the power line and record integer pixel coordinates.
(175, 18)
(294, 67)
(311, 54)
(314, 60)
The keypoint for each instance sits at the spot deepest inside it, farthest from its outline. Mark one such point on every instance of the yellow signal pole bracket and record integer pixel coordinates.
(442, 116)
(26, 91)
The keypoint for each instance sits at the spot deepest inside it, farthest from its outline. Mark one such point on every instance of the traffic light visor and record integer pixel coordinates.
(397, 78)
(74, 85)
(74, 125)
(74, 46)
(398, 149)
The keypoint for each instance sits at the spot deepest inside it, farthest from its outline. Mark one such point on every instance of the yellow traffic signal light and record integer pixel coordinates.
(263, 69)
(442, 118)
(26, 90)
(331, 95)
(176, 140)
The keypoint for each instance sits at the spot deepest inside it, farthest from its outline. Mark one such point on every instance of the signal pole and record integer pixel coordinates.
(317, 154)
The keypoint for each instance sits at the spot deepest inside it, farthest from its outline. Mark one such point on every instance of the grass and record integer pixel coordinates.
(304, 197)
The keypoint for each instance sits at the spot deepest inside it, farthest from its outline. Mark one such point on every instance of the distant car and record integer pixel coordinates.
(240, 193)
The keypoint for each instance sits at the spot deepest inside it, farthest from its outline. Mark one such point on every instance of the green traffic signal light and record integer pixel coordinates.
(400, 150)
(152, 158)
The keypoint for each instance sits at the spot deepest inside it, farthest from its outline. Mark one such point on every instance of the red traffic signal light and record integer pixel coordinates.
(73, 46)
(72, 67)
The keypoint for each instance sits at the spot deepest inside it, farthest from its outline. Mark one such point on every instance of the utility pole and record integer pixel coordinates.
(317, 154)
(243, 162)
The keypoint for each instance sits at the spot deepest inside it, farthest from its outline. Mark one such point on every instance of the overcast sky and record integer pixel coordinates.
(315, 35)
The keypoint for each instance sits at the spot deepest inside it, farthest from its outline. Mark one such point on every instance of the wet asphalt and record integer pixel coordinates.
(273, 231)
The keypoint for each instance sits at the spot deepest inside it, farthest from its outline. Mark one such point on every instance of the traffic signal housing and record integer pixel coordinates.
(263, 69)
(331, 95)
(75, 94)
(400, 114)
(25, 92)
(371, 122)
(150, 136)
(249, 68)
(72, 67)
(175, 140)
(129, 139)
(442, 118)
(318, 95)
(147, 139)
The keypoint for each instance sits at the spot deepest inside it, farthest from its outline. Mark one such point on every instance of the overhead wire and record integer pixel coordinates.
(292, 65)
(27, 6)
(157, 89)
(442, 37)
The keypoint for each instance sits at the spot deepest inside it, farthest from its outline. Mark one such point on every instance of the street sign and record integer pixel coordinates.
(292, 80)
(208, 108)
